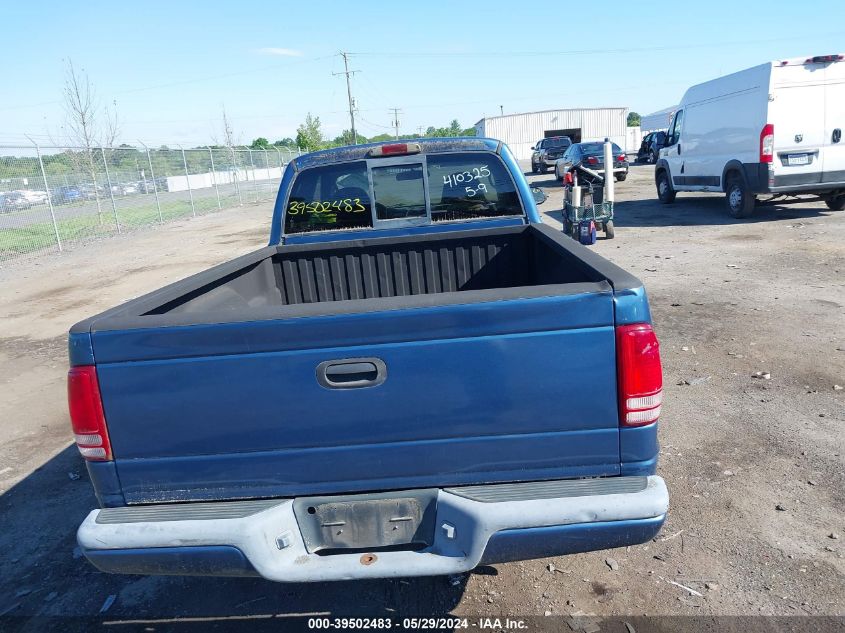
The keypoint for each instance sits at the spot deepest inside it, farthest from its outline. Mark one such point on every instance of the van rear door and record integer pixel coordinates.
(833, 161)
(797, 112)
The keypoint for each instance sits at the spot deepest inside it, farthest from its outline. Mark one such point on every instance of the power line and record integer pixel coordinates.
(385, 127)
(348, 72)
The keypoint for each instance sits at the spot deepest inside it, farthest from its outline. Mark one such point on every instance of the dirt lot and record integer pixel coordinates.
(755, 467)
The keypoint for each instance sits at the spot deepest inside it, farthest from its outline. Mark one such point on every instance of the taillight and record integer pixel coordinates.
(86, 414)
(592, 160)
(620, 157)
(639, 374)
(767, 143)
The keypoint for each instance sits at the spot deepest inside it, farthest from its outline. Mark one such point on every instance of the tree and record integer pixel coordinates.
(229, 139)
(260, 143)
(633, 119)
(346, 138)
(454, 129)
(88, 126)
(87, 123)
(111, 125)
(285, 142)
(309, 135)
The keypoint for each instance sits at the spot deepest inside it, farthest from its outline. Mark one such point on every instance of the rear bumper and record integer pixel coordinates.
(474, 525)
(808, 188)
(761, 180)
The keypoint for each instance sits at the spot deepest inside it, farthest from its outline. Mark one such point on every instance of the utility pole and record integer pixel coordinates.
(395, 122)
(348, 72)
(420, 130)
(502, 110)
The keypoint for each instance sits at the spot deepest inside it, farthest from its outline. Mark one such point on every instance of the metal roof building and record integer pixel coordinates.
(657, 120)
(521, 131)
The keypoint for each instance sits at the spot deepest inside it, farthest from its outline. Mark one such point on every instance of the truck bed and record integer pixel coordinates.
(525, 260)
(481, 341)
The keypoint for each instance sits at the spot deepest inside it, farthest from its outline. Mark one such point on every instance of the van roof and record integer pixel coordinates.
(761, 72)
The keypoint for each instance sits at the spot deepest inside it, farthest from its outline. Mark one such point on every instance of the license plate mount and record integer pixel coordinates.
(402, 520)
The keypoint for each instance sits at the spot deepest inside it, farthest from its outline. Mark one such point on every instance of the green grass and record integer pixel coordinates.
(41, 235)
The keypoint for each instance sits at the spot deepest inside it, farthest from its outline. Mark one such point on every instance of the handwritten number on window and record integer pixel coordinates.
(347, 205)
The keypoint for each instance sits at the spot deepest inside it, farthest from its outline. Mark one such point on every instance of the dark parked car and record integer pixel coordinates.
(651, 146)
(67, 194)
(547, 151)
(591, 155)
(13, 201)
(77, 193)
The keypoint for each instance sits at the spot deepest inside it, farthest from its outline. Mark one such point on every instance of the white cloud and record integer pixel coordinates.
(284, 52)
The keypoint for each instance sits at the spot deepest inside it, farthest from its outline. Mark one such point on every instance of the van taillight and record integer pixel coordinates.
(86, 414)
(639, 374)
(767, 143)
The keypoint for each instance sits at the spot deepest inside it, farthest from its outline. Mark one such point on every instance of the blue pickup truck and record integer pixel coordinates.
(415, 377)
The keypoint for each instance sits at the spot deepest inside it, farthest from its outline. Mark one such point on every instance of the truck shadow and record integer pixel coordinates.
(689, 211)
(45, 583)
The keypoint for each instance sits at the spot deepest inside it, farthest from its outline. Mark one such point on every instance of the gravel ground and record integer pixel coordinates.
(755, 466)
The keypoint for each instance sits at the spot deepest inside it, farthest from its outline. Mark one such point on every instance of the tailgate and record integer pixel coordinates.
(500, 391)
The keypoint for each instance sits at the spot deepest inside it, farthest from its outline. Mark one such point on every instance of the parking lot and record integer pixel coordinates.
(755, 465)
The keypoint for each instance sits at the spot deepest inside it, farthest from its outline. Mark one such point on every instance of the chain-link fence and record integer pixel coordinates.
(52, 198)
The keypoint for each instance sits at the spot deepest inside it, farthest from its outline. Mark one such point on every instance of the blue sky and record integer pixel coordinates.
(170, 67)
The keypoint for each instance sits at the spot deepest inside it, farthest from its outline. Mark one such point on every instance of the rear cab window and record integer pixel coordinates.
(399, 191)
(470, 185)
(597, 149)
(559, 142)
(329, 198)
(407, 190)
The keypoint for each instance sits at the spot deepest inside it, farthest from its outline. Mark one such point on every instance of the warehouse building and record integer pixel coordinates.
(657, 120)
(521, 131)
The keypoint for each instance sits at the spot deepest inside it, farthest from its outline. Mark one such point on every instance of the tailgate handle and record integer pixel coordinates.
(351, 373)
(837, 135)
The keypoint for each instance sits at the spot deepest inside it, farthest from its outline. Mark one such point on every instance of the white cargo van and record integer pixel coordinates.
(773, 129)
